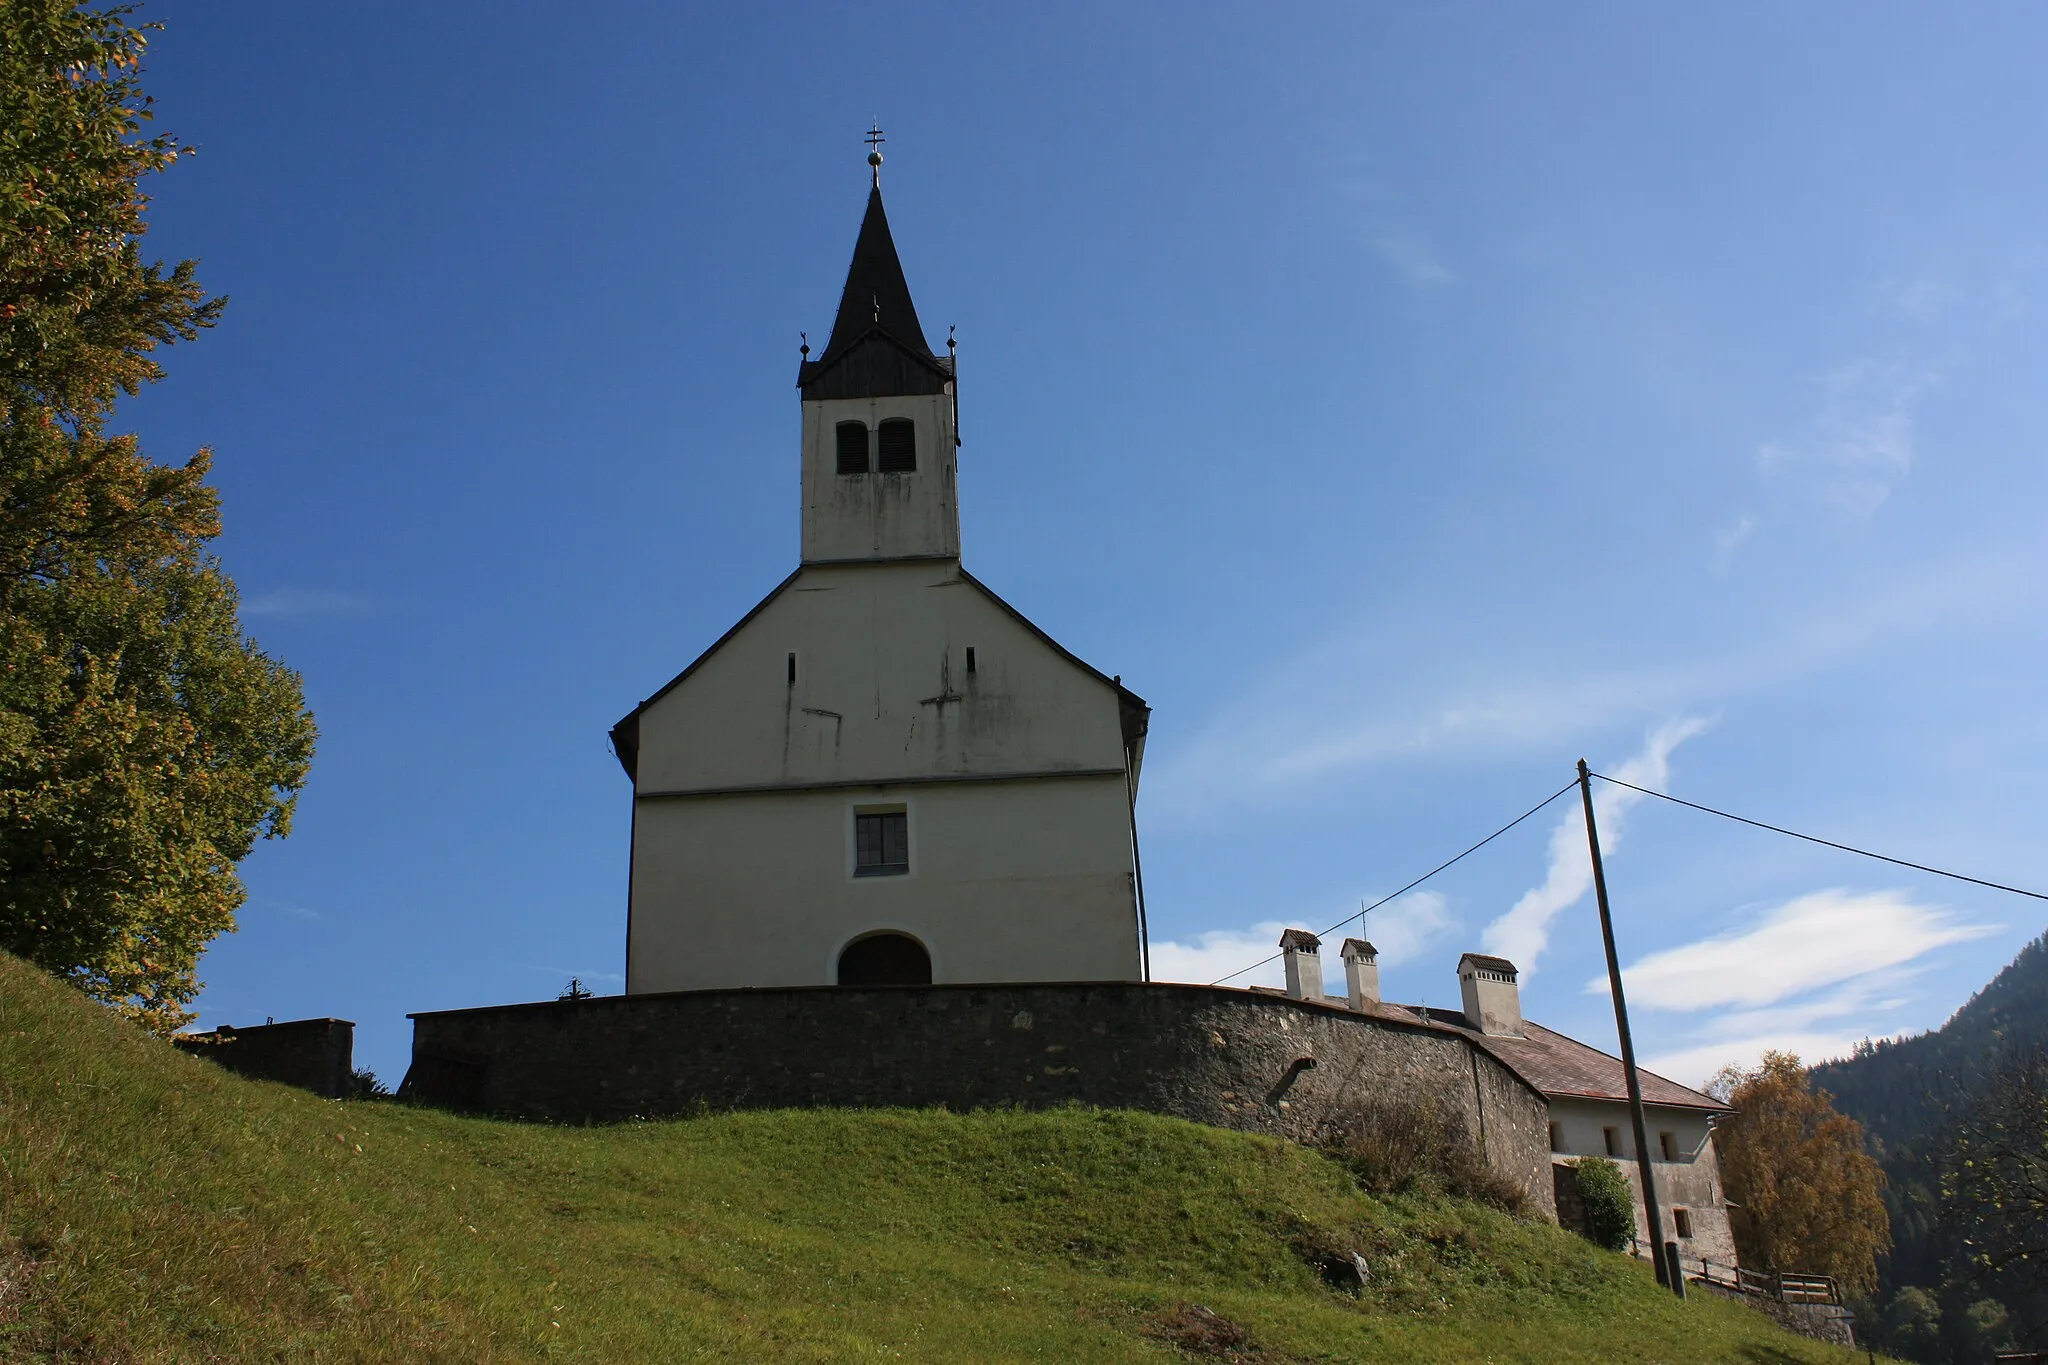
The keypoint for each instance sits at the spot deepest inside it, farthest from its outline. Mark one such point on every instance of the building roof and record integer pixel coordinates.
(877, 347)
(1565, 1068)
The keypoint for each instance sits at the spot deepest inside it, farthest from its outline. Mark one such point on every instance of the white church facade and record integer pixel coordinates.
(884, 774)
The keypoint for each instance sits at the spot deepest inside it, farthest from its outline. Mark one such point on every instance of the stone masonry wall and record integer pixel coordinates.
(1236, 1059)
(313, 1054)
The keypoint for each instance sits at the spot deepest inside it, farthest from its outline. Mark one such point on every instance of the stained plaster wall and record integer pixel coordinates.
(1014, 776)
(1693, 1182)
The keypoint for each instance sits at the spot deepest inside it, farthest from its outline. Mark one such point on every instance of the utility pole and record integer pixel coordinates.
(1666, 1275)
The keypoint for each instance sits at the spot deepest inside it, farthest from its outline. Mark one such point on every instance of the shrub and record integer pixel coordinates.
(1610, 1202)
(1402, 1146)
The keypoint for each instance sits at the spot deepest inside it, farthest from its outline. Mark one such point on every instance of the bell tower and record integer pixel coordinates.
(879, 421)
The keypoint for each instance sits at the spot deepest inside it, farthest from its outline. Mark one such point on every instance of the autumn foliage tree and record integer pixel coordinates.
(144, 742)
(1811, 1198)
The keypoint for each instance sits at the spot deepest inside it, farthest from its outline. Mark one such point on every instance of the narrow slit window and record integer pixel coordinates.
(853, 447)
(898, 442)
(1682, 1218)
(881, 843)
(1668, 1144)
(1612, 1137)
(970, 658)
(1556, 1138)
(792, 669)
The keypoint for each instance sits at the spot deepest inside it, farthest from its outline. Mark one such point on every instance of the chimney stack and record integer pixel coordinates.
(1493, 1002)
(1302, 952)
(1361, 973)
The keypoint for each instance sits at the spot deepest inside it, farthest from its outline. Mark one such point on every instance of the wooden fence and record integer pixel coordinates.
(1784, 1288)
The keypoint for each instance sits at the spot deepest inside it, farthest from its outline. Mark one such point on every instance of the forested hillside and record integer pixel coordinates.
(1910, 1096)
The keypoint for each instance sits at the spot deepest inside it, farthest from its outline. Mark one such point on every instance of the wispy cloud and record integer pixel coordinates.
(1282, 739)
(1408, 254)
(1696, 1065)
(1401, 930)
(295, 603)
(1523, 932)
(1812, 976)
(1819, 939)
(1860, 443)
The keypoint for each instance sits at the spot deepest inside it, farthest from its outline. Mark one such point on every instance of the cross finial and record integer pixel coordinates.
(875, 141)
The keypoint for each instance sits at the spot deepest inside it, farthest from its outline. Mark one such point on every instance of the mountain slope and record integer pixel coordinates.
(1898, 1090)
(154, 1207)
(1907, 1094)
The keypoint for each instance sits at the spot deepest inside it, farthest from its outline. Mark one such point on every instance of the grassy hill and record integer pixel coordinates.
(154, 1207)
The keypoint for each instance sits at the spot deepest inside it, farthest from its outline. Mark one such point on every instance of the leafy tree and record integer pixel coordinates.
(1811, 1197)
(144, 743)
(1610, 1202)
(1994, 1182)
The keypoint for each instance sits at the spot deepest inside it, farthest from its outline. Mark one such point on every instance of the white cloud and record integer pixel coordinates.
(1819, 939)
(301, 602)
(1695, 1066)
(1219, 952)
(1408, 254)
(1401, 930)
(1860, 444)
(1523, 932)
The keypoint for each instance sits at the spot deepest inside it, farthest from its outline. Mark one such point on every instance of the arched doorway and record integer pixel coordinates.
(885, 960)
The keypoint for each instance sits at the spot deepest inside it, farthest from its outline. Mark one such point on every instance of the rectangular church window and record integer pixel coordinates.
(898, 446)
(881, 843)
(853, 447)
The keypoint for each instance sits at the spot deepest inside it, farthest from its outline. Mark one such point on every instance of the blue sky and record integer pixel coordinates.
(1405, 399)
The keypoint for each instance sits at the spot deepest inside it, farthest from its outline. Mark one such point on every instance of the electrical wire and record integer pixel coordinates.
(1816, 839)
(1417, 882)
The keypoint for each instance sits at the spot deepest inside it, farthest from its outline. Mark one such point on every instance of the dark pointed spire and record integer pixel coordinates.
(877, 347)
(876, 294)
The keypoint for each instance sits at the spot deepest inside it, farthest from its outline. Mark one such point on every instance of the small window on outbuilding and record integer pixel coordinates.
(1667, 1143)
(897, 444)
(1682, 1219)
(853, 447)
(881, 843)
(1612, 1137)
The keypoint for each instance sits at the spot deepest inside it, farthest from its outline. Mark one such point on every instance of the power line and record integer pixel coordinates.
(1417, 882)
(1815, 839)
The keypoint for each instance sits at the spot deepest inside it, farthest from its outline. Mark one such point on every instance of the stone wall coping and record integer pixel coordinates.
(1392, 1015)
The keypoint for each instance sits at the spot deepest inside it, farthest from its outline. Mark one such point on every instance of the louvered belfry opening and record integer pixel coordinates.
(898, 446)
(853, 447)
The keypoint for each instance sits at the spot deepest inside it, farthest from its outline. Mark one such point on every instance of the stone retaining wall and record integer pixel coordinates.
(314, 1054)
(1236, 1059)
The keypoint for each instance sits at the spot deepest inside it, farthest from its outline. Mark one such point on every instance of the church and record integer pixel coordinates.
(884, 852)
(884, 774)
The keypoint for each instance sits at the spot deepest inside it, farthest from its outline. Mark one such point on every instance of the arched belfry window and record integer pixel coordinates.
(898, 446)
(853, 447)
(885, 960)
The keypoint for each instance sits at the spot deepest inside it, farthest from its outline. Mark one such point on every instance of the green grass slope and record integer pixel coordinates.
(154, 1207)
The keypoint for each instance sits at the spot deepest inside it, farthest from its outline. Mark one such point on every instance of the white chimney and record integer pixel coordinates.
(1361, 973)
(1493, 1002)
(1302, 953)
